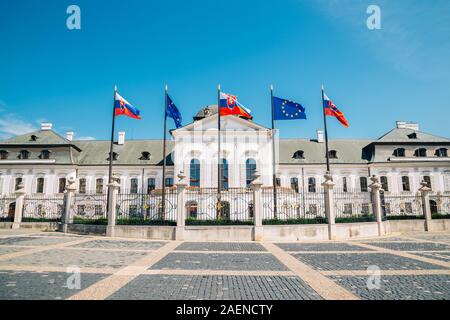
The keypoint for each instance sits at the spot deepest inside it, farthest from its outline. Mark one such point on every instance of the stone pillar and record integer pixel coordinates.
(113, 189)
(257, 208)
(20, 196)
(69, 194)
(181, 211)
(328, 186)
(375, 188)
(425, 194)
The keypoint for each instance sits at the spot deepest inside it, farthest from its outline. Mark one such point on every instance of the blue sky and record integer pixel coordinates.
(401, 72)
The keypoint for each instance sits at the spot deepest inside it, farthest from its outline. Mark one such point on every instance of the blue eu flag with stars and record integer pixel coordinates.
(284, 109)
(173, 112)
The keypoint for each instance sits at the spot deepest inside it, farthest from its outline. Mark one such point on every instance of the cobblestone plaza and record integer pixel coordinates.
(58, 266)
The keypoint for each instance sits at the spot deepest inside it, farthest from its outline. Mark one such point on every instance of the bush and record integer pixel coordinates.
(365, 218)
(24, 219)
(294, 221)
(216, 222)
(404, 217)
(440, 216)
(139, 221)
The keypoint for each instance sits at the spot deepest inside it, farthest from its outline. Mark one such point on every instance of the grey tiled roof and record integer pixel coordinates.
(96, 152)
(42, 137)
(401, 135)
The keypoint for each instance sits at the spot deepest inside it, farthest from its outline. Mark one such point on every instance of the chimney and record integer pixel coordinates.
(320, 136)
(407, 125)
(121, 140)
(46, 126)
(69, 135)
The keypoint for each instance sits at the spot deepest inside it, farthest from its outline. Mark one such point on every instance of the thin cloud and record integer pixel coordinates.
(11, 125)
(86, 138)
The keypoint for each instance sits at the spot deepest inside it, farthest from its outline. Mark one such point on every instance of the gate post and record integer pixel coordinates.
(69, 193)
(181, 214)
(20, 196)
(425, 195)
(328, 186)
(113, 189)
(375, 188)
(256, 184)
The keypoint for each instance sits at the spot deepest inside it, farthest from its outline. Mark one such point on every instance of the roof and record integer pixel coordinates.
(130, 153)
(348, 151)
(42, 137)
(401, 135)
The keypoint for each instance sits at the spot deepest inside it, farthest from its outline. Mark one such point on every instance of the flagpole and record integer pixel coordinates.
(163, 203)
(219, 180)
(274, 177)
(326, 131)
(112, 136)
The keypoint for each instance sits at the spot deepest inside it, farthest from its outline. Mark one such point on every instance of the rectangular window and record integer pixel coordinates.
(82, 185)
(294, 184)
(134, 185)
(40, 185)
(99, 185)
(151, 184)
(427, 179)
(278, 182)
(363, 184)
(344, 184)
(312, 185)
(405, 183)
(169, 182)
(18, 182)
(384, 183)
(61, 185)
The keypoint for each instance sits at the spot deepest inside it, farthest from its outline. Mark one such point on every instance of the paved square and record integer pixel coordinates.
(361, 261)
(220, 261)
(34, 265)
(216, 288)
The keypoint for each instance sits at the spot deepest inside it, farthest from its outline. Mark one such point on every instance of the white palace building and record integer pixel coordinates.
(402, 158)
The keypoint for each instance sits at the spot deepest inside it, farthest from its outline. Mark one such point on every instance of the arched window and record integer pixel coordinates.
(224, 174)
(24, 154)
(40, 185)
(250, 170)
(405, 183)
(412, 135)
(399, 152)
(363, 184)
(145, 155)
(384, 183)
(442, 153)
(427, 179)
(45, 154)
(332, 154)
(299, 154)
(194, 180)
(191, 209)
(312, 185)
(421, 152)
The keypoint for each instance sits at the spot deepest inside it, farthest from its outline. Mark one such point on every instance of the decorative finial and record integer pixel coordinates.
(167, 87)
(218, 87)
(271, 87)
(115, 87)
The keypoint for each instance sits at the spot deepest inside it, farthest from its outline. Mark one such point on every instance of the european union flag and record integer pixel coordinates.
(173, 112)
(287, 110)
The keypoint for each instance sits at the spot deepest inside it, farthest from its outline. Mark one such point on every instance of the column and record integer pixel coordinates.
(375, 188)
(181, 211)
(20, 197)
(425, 194)
(257, 208)
(328, 186)
(69, 195)
(113, 188)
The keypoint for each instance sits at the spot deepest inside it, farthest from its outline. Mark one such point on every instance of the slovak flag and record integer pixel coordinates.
(123, 107)
(332, 111)
(229, 105)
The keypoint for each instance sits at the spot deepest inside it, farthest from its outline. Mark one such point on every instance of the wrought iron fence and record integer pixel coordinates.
(399, 206)
(147, 208)
(440, 206)
(353, 206)
(7, 208)
(205, 206)
(293, 207)
(89, 208)
(43, 208)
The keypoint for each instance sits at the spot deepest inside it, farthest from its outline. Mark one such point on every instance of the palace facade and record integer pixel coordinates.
(402, 158)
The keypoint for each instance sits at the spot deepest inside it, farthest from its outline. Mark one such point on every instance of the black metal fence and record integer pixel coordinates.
(43, 208)
(353, 206)
(205, 206)
(147, 208)
(400, 206)
(89, 208)
(7, 208)
(440, 206)
(293, 207)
